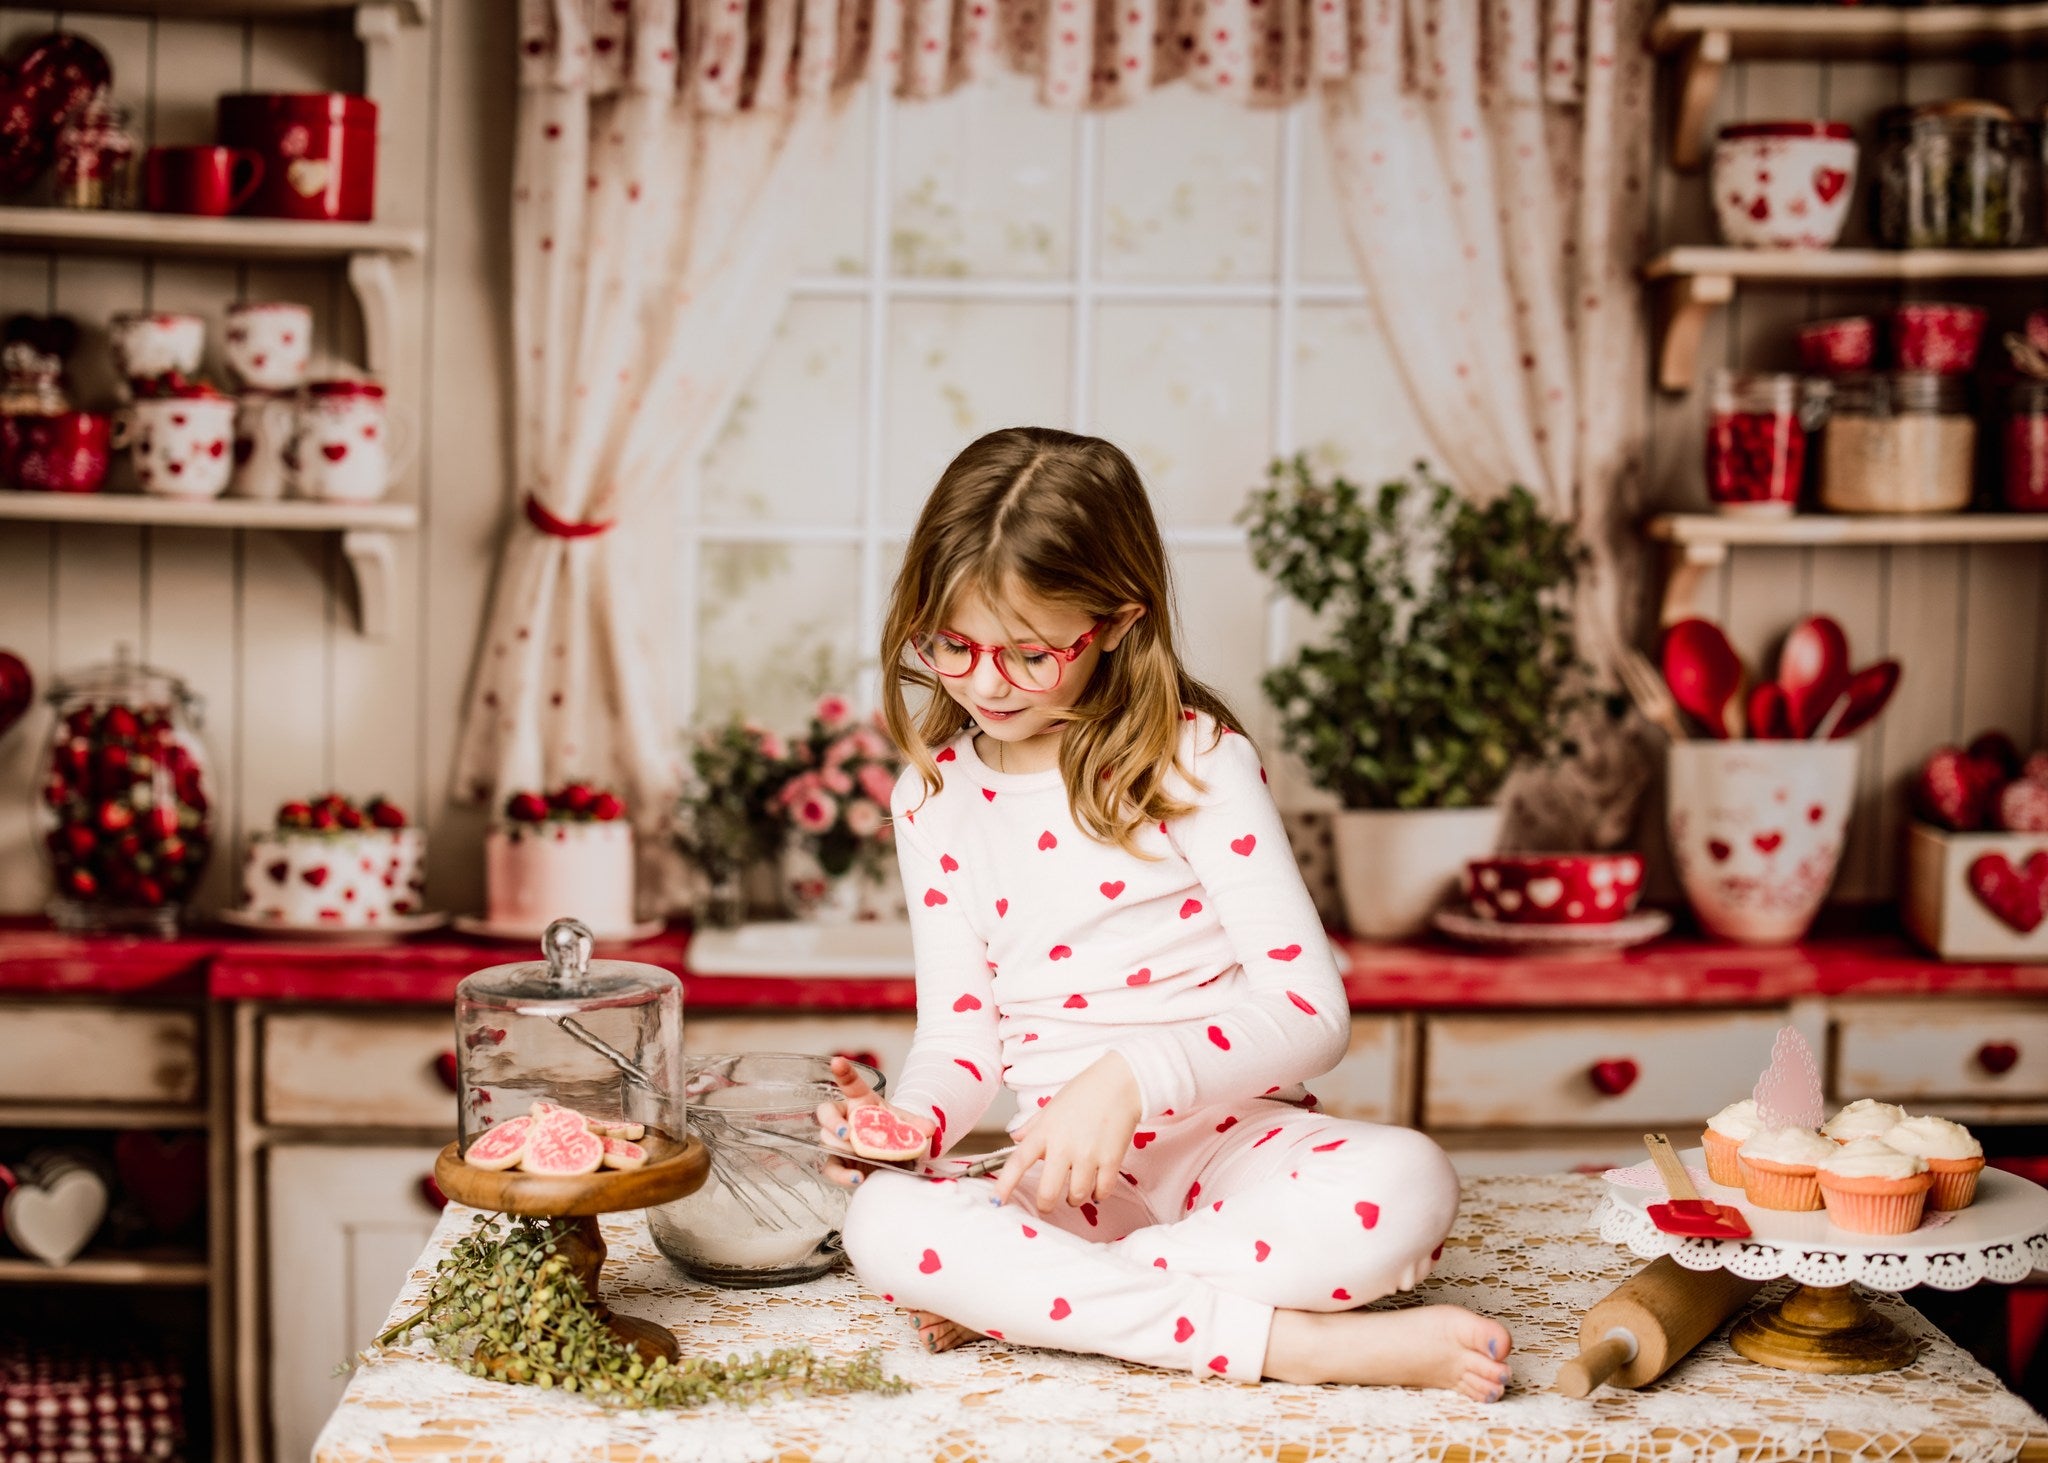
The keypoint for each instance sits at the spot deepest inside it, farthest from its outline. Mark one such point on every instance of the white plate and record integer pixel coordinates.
(1631, 929)
(397, 927)
(530, 934)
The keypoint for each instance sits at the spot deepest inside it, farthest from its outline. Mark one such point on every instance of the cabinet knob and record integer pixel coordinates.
(1997, 1057)
(449, 1070)
(431, 1192)
(868, 1057)
(1612, 1078)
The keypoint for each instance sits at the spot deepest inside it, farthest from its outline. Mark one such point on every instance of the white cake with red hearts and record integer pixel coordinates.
(566, 854)
(329, 864)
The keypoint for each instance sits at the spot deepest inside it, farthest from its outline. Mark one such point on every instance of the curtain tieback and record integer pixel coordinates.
(555, 527)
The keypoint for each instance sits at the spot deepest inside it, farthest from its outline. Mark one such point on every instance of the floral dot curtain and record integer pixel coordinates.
(1491, 160)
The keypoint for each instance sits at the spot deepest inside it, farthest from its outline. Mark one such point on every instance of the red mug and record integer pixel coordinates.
(210, 181)
(319, 149)
(66, 452)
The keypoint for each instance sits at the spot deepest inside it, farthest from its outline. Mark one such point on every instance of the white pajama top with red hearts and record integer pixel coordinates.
(1039, 949)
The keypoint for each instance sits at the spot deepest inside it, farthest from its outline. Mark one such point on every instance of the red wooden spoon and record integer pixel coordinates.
(1813, 668)
(1868, 690)
(1768, 719)
(1703, 672)
(17, 691)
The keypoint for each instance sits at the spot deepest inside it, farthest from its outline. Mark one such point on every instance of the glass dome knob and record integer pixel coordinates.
(567, 944)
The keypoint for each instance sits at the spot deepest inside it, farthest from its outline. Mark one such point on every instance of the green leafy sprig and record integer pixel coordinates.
(505, 1306)
(1447, 655)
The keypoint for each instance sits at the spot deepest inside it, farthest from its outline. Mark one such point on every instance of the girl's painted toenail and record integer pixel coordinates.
(858, 1177)
(842, 1130)
(1493, 1348)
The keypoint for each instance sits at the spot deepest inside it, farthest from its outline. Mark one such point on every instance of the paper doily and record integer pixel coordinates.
(2002, 1237)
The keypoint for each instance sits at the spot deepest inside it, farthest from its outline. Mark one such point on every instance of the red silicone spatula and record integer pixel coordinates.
(1686, 1213)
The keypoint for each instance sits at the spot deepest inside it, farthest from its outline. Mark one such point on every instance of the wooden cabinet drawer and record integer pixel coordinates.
(1980, 1050)
(68, 1052)
(342, 1070)
(1544, 1071)
(1367, 1084)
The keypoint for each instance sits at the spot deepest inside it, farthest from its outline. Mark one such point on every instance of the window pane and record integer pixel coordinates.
(837, 242)
(1221, 602)
(983, 184)
(790, 451)
(1326, 256)
(776, 629)
(957, 370)
(1185, 390)
(1351, 408)
(1189, 189)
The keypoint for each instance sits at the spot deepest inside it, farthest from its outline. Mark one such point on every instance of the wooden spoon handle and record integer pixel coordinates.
(1676, 1183)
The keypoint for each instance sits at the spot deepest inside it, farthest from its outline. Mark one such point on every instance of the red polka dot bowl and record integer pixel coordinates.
(1554, 888)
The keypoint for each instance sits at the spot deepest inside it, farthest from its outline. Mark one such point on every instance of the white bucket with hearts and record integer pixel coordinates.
(1756, 832)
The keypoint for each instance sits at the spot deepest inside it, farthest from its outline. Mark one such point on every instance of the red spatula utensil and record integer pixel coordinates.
(1813, 669)
(1868, 691)
(1686, 1213)
(1769, 719)
(1705, 675)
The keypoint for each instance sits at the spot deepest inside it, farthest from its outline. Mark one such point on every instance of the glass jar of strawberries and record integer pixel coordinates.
(124, 815)
(1756, 442)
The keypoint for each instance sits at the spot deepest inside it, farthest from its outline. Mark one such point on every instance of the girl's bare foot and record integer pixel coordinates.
(1426, 1346)
(936, 1333)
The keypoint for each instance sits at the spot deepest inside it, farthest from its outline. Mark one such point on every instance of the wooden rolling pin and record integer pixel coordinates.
(1649, 1324)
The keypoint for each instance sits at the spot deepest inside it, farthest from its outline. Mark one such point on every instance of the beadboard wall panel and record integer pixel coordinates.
(1965, 621)
(263, 625)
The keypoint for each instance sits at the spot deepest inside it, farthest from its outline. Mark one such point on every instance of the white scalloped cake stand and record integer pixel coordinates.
(1824, 1326)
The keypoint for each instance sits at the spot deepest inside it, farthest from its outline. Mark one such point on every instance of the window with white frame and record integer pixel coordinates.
(1173, 277)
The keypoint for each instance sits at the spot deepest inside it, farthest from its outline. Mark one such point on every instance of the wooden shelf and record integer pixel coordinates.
(1694, 281)
(366, 529)
(182, 235)
(1696, 543)
(164, 1267)
(1705, 38)
(101, 1115)
(414, 12)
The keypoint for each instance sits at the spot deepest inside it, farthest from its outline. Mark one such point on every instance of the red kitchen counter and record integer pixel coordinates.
(1675, 972)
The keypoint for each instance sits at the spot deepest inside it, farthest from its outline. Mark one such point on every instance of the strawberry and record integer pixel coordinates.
(1955, 790)
(295, 815)
(115, 816)
(119, 722)
(2023, 807)
(81, 839)
(527, 807)
(575, 798)
(171, 850)
(1997, 748)
(606, 808)
(149, 892)
(162, 820)
(350, 818)
(386, 814)
(323, 819)
(83, 884)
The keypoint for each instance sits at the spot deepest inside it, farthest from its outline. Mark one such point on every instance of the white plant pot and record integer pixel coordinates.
(1395, 867)
(1756, 832)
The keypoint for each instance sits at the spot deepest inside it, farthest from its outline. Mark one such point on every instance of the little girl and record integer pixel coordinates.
(1109, 922)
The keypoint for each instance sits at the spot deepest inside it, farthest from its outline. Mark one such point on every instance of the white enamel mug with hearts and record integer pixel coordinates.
(264, 424)
(350, 444)
(148, 345)
(269, 343)
(1756, 832)
(181, 446)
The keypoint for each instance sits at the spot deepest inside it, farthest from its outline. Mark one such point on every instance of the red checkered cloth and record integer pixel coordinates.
(57, 1401)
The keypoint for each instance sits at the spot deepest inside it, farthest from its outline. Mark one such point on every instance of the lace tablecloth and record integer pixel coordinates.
(1522, 1251)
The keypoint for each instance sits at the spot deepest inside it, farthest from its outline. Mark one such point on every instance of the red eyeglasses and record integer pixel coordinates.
(1027, 667)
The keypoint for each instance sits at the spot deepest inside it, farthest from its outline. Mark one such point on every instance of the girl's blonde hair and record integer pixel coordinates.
(1065, 518)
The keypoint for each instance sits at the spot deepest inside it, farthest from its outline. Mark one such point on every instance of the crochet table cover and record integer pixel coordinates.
(1522, 1251)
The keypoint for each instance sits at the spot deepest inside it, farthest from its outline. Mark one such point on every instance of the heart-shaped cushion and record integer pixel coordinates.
(2018, 896)
(54, 1222)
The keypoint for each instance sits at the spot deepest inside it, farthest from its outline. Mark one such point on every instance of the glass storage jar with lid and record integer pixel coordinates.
(2026, 446)
(1956, 175)
(602, 1037)
(1898, 442)
(123, 817)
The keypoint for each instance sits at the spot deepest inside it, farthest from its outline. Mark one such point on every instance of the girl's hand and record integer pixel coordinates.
(1082, 1135)
(832, 1119)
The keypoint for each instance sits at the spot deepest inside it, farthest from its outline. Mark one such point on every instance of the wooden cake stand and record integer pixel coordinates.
(672, 1170)
(1825, 1325)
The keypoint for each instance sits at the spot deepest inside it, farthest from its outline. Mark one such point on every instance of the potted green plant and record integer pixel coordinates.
(1446, 659)
(725, 821)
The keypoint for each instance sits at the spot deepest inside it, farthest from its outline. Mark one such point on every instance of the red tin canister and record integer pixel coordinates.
(319, 151)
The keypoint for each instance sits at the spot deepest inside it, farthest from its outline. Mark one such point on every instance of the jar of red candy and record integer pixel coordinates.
(123, 806)
(1756, 442)
(2026, 447)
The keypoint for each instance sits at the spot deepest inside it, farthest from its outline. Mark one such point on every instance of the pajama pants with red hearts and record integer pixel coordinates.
(1217, 1218)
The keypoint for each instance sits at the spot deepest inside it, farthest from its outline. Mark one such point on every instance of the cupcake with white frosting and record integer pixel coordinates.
(1953, 1157)
(1780, 1168)
(1870, 1187)
(1863, 1118)
(1727, 1130)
